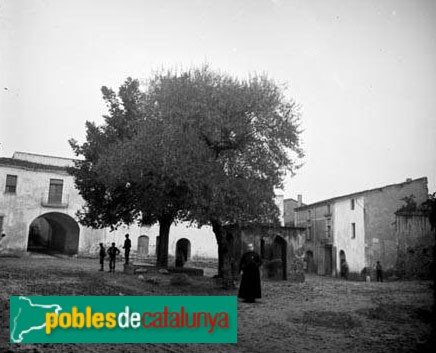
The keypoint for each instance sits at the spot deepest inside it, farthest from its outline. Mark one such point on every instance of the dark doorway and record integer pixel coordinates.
(183, 251)
(54, 232)
(143, 243)
(310, 266)
(342, 257)
(328, 260)
(280, 252)
(262, 248)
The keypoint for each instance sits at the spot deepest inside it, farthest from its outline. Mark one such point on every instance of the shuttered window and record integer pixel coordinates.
(11, 184)
(55, 191)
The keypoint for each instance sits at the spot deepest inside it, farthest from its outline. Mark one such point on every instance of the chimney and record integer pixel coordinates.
(300, 200)
(408, 180)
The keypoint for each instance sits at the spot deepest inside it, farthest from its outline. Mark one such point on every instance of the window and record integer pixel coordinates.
(55, 191)
(353, 230)
(309, 214)
(309, 233)
(1, 225)
(329, 209)
(352, 204)
(11, 184)
(329, 231)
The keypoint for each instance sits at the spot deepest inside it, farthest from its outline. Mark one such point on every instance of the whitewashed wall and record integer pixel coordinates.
(354, 248)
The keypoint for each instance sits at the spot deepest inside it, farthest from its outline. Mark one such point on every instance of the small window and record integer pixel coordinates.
(329, 231)
(353, 230)
(11, 184)
(309, 233)
(309, 214)
(329, 209)
(352, 204)
(1, 225)
(55, 191)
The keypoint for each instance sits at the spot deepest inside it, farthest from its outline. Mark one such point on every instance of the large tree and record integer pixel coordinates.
(208, 148)
(114, 196)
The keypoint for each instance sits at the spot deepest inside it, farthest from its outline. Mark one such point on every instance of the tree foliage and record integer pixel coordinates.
(198, 145)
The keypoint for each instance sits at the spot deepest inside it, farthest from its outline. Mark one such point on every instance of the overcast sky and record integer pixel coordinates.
(363, 72)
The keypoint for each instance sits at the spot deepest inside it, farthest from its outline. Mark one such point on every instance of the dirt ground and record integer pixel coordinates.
(320, 315)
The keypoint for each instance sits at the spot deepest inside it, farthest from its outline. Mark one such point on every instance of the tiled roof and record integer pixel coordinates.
(359, 193)
(12, 162)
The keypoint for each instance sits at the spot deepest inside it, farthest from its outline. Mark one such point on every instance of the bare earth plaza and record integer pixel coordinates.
(257, 176)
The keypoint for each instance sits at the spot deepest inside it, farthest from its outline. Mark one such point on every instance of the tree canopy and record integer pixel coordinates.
(197, 145)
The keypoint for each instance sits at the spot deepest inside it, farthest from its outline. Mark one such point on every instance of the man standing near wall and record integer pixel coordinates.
(126, 247)
(1, 238)
(379, 271)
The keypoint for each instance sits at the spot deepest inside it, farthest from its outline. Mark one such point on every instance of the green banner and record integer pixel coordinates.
(123, 319)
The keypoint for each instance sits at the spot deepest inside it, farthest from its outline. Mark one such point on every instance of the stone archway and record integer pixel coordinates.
(54, 232)
(342, 257)
(280, 252)
(183, 252)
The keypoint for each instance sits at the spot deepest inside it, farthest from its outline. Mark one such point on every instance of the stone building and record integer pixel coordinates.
(280, 248)
(358, 228)
(289, 206)
(38, 205)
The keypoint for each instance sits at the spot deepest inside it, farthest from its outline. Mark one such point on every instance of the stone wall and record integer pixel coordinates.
(415, 245)
(381, 241)
(281, 249)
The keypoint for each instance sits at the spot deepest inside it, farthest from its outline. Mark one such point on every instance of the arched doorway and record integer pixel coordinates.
(342, 257)
(143, 244)
(54, 232)
(262, 248)
(310, 268)
(280, 252)
(343, 266)
(183, 251)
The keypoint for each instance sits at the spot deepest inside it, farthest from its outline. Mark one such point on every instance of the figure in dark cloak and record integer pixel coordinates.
(250, 289)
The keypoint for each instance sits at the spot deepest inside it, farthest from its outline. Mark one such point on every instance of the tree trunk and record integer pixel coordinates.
(224, 261)
(164, 233)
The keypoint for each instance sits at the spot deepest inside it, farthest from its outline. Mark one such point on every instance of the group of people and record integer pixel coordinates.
(113, 251)
(249, 289)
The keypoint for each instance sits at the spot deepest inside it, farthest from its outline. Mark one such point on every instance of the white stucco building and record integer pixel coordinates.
(38, 205)
(358, 227)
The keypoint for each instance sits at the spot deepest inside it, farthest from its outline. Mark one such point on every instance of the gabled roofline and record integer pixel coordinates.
(359, 193)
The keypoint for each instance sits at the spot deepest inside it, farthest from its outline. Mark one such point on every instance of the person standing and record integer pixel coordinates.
(379, 271)
(250, 288)
(126, 247)
(1, 238)
(102, 256)
(112, 252)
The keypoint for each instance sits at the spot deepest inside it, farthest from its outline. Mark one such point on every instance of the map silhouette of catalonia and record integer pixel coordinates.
(29, 317)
